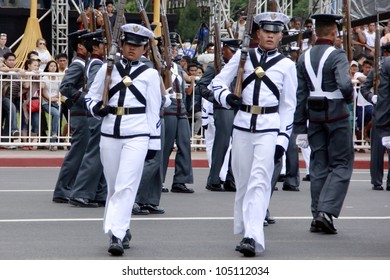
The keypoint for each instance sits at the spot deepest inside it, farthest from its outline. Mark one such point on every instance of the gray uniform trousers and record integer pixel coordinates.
(331, 165)
(377, 153)
(223, 121)
(90, 182)
(149, 191)
(178, 128)
(292, 163)
(72, 160)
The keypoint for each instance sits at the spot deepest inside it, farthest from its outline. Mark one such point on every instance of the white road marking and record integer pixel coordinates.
(180, 219)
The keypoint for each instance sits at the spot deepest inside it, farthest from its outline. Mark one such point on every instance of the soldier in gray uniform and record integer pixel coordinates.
(177, 129)
(377, 149)
(324, 91)
(72, 87)
(90, 187)
(223, 120)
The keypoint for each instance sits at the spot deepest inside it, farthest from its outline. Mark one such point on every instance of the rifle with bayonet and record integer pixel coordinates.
(113, 50)
(83, 16)
(167, 48)
(347, 38)
(245, 47)
(376, 53)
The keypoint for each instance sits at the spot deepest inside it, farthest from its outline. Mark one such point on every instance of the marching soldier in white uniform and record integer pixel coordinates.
(261, 127)
(130, 130)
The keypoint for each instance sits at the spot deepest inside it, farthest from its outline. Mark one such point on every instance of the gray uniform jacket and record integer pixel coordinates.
(382, 109)
(338, 79)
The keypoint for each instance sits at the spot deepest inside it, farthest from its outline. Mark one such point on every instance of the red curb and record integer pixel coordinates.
(196, 163)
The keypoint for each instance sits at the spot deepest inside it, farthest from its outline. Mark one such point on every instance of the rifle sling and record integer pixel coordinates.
(132, 88)
(265, 66)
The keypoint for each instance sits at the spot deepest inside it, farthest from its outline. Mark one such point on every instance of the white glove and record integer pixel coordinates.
(386, 142)
(374, 99)
(168, 101)
(302, 141)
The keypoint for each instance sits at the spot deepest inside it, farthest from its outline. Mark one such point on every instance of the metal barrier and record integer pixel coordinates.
(30, 130)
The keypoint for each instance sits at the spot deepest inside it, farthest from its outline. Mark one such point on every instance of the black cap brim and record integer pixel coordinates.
(271, 26)
(133, 39)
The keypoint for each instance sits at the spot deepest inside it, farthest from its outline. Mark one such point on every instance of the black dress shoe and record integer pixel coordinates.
(378, 188)
(116, 247)
(290, 188)
(229, 186)
(270, 220)
(215, 188)
(306, 178)
(82, 202)
(238, 247)
(164, 189)
(387, 188)
(325, 222)
(60, 199)
(248, 247)
(126, 240)
(153, 209)
(138, 211)
(314, 227)
(181, 188)
(265, 223)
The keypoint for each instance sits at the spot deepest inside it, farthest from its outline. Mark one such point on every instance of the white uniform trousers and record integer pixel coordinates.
(253, 166)
(209, 135)
(123, 163)
(225, 165)
(306, 157)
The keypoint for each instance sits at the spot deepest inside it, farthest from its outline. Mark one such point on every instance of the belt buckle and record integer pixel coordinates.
(179, 95)
(256, 110)
(120, 111)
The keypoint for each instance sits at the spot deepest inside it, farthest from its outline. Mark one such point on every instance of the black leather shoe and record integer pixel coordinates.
(248, 247)
(270, 220)
(82, 202)
(325, 222)
(164, 189)
(152, 209)
(387, 188)
(116, 247)
(138, 211)
(377, 188)
(238, 247)
(181, 188)
(306, 178)
(314, 227)
(215, 188)
(265, 223)
(126, 240)
(290, 188)
(60, 199)
(229, 186)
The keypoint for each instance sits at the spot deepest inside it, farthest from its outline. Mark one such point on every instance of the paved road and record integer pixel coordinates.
(195, 226)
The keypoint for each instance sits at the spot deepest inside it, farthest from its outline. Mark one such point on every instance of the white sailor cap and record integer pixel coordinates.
(271, 21)
(136, 34)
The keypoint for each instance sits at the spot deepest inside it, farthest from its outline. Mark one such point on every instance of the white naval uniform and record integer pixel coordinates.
(209, 133)
(253, 151)
(125, 141)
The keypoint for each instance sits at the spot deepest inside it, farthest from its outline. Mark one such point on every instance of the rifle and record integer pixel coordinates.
(83, 16)
(377, 53)
(245, 47)
(347, 31)
(107, 28)
(167, 48)
(217, 49)
(92, 19)
(113, 50)
(155, 57)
